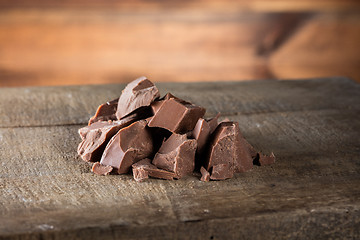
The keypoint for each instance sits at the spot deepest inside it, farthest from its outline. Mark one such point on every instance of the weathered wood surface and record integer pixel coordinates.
(311, 192)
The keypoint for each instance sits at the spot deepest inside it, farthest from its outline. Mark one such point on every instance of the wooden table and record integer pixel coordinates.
(311, 192)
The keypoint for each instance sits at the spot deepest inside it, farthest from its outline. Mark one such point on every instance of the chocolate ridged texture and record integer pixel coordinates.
(128, 146)
(177, 154)
(105, 112)
(139, 93)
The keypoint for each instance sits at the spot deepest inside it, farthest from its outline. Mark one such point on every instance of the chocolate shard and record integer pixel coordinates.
(176, 116)
(128, 146)
(205, 175)
(105, 112)
(221, 172)
(266, 159)
(201, 133)
(244, 160)
(143, 169)
(213, 123)
(97, 135)
(100, 169)
(227, 151)
(139, 93)
(177, 154)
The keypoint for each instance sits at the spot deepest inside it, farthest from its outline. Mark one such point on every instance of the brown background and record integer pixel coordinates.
(90, 42)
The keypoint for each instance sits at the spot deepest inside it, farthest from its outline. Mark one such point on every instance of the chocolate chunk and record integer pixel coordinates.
(105, 112)
(227, 152)
(176, 116)
(100, 169)
(128, 146)
(244, 160)
(139, 93)
(201, 133)
(265, 159)
(221, 172)
(213, 123)
(177, 154)
(97, 135)
(143, 169)
(205, 175)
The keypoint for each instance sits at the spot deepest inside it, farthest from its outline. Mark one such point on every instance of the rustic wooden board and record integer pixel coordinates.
(90, 42)
(312, 191)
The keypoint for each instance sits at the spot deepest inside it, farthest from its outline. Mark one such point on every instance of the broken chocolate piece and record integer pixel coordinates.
(176, 116)
(266, 159)
(85, 130)
(205, 175)
(97, 135)
(128, 146)
(143, 169)
(105, 112)
(100, 169)
(213, 123)
(201, 133)
(244, 160)
(221, 172)
(139, 93)
(227, 152)
(177, 154)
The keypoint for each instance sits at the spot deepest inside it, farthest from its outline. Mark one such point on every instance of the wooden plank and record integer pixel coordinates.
(226, 5)
(47, 190)
(75, 104)
(312, 190)
(56, 47)
(326, 45)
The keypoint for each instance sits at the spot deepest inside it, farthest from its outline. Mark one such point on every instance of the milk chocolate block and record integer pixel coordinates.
(143, 169)
(139, 93)
(100, 169)
(176, 116)
(97, 135)
(128, 146)
(177, 154)
(228, 150)
(105, 112)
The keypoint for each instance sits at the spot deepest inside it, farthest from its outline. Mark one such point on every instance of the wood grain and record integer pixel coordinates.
(312, 191)
(249, 98)
(92, 42)
(326, 45)
(207, 5)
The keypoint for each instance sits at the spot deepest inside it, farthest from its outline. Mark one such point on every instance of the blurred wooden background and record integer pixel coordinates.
(89, 42)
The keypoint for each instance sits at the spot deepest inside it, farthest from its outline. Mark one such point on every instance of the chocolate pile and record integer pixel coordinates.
(165, 138)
